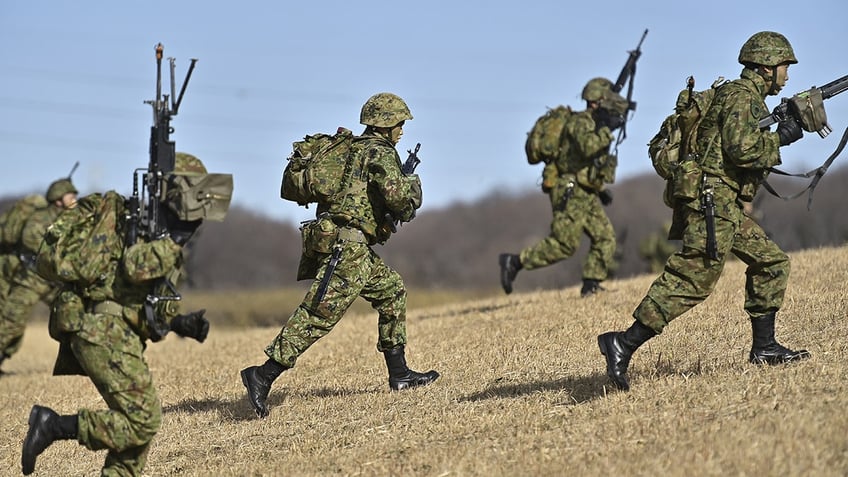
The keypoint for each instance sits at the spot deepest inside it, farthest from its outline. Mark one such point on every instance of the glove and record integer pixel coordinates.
(605, 196)
(193, 325)
(789, 131)
(605, 118)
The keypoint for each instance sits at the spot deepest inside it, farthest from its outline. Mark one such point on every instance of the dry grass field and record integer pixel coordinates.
(523, 392)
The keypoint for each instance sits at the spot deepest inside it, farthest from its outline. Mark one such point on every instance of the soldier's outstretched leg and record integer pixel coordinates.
(400, 376)
(618, 347)
(45, 427)
(510, 265)
(765, 349)
(258, 380)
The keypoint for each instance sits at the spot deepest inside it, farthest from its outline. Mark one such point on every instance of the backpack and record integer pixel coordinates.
(543, 141)
(673, 148)
(13, 220)
(80, 245)
(316, 167)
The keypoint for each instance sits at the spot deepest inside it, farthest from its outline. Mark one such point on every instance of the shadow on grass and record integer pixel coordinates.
(475, 310)
(230, 409)
(582, 388)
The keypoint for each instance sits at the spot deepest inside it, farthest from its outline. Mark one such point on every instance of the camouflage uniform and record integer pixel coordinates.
(26, 287)
(583, 168)
(362, 214)
(102, 328)
(656, 248)
(11, 227)
(736, 154)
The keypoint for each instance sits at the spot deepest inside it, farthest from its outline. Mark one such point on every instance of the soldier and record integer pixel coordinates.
(346, 228)
(736, 154)
(575, 184)
(11, 225)
(26, 287)
(103, 328)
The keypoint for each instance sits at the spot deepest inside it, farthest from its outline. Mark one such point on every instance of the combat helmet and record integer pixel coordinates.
(192, 193)
(767, 48)
(59, 188)
(384, 110)
(599, 90)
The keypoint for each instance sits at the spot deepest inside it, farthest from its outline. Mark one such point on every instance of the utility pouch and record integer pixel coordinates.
(550, 174)
(687, 180)
(319, 236)
(66, 315)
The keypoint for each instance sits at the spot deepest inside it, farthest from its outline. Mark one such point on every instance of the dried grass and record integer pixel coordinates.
(523, 392)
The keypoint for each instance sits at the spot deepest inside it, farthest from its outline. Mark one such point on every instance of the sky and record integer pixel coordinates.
(475, 74)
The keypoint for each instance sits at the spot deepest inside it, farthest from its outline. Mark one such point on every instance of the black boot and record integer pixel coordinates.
(400, 376)
(590, 287)
(765, 349)
(258, 380)
(510, 265)
(45, 427)
(617, 347)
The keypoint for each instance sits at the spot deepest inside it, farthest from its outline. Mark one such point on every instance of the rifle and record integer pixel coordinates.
(407, 168)
(810, 100)
(145, 216)
(627, 74)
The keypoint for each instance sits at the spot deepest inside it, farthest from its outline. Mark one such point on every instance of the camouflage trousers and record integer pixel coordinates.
(690, 276)
(360, 272)
(26, 290)
(583, 214)
(111, 355)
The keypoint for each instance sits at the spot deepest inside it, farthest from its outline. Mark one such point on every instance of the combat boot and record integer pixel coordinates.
(590, 287)
(618, 347)
(510, 265)
(765, 349)
(400, 376)
(45, 427)
(258, 380)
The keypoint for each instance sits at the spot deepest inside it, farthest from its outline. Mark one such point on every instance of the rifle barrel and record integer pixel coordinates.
(834, 87)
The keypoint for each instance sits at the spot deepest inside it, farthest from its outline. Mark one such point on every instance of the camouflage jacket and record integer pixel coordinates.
(33, 231)
(733, 146)
(377, 192)
(585, 152)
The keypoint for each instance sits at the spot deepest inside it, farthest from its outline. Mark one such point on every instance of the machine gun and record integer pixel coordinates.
(145, 215)
(807, 107)
(145, 212)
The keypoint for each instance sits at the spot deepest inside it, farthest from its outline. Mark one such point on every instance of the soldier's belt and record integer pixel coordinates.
(349, 234)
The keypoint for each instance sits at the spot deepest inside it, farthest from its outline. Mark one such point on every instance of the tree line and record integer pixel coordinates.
(457, 246)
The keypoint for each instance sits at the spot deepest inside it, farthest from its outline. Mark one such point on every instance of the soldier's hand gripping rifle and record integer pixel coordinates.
(807, 108)
(626, 76)
(145, 213)
(407, 168)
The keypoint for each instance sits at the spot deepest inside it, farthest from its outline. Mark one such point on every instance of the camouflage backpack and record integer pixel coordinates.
(316, 167)
(12, 221)
(80, 245)
(672, 149)
(543, 141)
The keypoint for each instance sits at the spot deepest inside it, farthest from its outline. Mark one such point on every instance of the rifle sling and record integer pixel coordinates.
(816, 174)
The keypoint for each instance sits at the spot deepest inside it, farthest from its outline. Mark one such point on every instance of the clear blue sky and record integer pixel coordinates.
(475, 74)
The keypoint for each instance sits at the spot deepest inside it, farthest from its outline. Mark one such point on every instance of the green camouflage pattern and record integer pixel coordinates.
(188, 164)
(767, 48)
(596, 89)
(12, 221)
(26, 287)
(102, 333)
(381, 190)
(360, 273)
(736, 155)
(582, 150)
(59, 188)
(384, 110)
(544, 139)
(378, 190)
(729, 137)
(656, 248)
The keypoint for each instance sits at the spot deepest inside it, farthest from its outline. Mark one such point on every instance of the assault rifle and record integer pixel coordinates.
(627, 74)
(407, 168)
(807, 107)
(145, 213)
